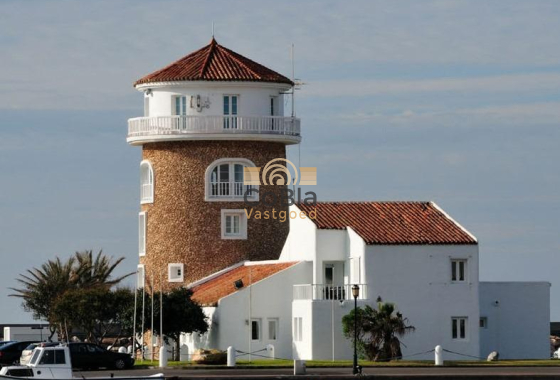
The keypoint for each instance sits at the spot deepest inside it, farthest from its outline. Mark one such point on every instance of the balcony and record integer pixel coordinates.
(327, 292)
(174, 128)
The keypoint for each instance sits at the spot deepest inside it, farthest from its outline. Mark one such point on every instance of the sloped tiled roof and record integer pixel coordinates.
(406, 223)
(210, 292)
(214, 63)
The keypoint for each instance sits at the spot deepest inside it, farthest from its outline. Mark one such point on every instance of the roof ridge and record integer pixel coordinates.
(209, 55)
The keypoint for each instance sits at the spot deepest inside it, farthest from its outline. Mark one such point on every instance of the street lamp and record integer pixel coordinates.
(355, 293)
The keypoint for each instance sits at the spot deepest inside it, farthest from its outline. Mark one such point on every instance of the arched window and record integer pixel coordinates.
(146, 182)
(224, 179)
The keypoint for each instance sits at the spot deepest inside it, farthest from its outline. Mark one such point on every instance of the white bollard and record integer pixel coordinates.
(122, 350)
(270, 350)
(438, 355)
(231, 356)
(162, 357)
(184, 350)
(299, 367)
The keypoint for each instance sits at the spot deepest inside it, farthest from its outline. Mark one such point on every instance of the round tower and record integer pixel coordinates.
(208, 117)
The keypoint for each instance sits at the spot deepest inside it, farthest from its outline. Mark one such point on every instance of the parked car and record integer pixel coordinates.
(93, 356)
(26, 354)
(6, 342)
(11, 352)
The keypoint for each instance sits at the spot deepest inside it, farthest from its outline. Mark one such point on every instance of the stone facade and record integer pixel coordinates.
(182, 227)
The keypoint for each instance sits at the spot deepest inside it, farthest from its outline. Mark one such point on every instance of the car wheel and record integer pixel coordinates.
(120, 364)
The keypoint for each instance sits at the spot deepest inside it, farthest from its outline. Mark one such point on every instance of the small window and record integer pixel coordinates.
(458, 270)
(140, 276)
(459, 328)
(230, 111)
(142, 234)
(175, 272)
(273, 329)
(298, 329)
(180, 103)
(483, 322)
(146, 182)
(234, 224)
(59, 357)
(255, 329)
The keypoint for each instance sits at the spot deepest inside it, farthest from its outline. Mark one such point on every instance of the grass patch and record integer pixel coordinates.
(269, 363)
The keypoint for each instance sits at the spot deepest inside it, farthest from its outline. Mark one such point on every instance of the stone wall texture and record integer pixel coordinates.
(182, 227)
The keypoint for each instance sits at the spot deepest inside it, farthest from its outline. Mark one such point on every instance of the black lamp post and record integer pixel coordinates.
(355, 293)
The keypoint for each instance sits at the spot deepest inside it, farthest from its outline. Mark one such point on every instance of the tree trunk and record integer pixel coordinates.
(177, 350)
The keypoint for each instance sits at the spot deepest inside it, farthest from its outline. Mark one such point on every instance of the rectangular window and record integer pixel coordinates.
(255, 329)
(175, 272)
(483, 322)
(273, 329)
(298, 329)
(458, 270)
(230, 111)
(234, 224)
(459, 328)
(180, 105)
(142, 234)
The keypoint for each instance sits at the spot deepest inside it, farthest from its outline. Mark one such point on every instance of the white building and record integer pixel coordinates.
(409, 253)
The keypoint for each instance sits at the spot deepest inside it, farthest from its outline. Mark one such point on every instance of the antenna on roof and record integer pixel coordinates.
(294, 81)
(212, 29)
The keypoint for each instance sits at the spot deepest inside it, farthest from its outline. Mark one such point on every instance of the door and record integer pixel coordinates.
(333, 277)
(181, 111)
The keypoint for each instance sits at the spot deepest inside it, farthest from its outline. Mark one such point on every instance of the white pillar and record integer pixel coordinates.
(184, 357)
(270, 350)
(438, 356)
(299, 367)
(162, 357)
(231, 356)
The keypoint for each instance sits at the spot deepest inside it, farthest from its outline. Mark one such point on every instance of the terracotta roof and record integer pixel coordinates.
(210, 292)
(386, 223)
(215, 63)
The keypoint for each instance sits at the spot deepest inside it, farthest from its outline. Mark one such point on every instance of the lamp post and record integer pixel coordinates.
(355, 293)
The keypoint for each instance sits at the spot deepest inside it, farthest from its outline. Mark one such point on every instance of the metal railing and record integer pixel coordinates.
(174, 125)
(327, 292)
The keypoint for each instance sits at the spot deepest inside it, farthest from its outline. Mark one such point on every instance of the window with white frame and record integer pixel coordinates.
(180, 105)
(459, 328)
(140, 276)
(234, 224)
(230, 111)
(255, 329)
(225, 180)
(142, 234)
(175, 272)
(458, 270)
(272, 328)
(298, 329)
(146, 182)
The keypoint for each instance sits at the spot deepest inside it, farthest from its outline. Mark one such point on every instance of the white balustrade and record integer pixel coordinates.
(327, 292)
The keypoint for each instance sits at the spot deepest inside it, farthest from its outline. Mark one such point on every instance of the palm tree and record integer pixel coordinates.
(96, 272)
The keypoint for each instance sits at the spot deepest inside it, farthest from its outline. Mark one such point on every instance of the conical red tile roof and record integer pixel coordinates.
(215, 63)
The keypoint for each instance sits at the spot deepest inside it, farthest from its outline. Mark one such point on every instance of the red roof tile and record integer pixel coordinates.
(210, 292)
(391, 222)
(214, 63)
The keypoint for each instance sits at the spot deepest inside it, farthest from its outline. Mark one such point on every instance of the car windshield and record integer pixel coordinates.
(35, 357)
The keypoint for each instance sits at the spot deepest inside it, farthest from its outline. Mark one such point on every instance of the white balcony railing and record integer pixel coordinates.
(166, 127)
(327, 292)
(147, 192)
(229, 189)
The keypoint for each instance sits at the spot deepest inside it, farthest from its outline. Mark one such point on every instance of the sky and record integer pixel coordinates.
(457, 102)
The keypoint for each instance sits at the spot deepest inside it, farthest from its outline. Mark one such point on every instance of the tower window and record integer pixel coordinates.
(146, 182)
(230, 111)
(142, 234)
(180, 104)
(175, 272)
(225, 180)
(234, 224)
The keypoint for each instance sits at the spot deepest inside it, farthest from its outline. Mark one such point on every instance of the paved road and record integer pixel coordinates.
(341, 373)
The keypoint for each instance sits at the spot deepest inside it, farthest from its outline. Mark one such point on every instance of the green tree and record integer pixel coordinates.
(180, 315)
(42, 287)
(379, 330)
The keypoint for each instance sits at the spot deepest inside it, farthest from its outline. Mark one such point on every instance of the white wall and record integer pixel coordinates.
(253, 98)
(518, 317)
(418, 280)
(301, 243)
(269, 298)
(27, 333)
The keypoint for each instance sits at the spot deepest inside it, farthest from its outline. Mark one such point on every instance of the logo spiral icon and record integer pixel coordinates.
(279, 173)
